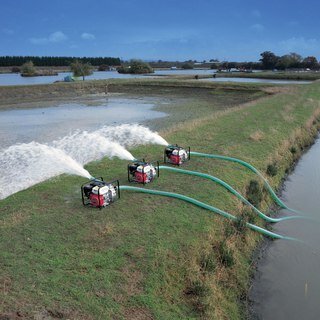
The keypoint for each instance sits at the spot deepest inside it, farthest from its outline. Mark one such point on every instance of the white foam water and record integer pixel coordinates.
(131, 134)
(24, 165)
(86, 147)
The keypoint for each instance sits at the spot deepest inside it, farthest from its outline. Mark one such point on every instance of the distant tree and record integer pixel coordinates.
(214, 66)
(10, 61)
(81, 69)
(269, 60)
(291, 60)
(187, 65)
(310, 62)
(136, 67)
(103, 67)
(15, 70)
(296, 60)
(226, 65)
(284, 62)
(28, 69)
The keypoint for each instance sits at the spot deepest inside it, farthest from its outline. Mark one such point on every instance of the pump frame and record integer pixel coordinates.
(165, 156)
(143, 162)
(86, 200)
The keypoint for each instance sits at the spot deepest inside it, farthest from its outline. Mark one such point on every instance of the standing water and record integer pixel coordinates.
(47, 124)
(287, 282)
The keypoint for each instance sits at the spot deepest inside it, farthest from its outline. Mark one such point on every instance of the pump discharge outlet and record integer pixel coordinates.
(175, 154)
(98, 193)
(140, 171)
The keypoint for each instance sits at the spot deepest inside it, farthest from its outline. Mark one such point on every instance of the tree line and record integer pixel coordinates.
(10, 61)
(270, 61)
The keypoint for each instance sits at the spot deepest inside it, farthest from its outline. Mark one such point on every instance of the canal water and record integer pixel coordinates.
(287, 280)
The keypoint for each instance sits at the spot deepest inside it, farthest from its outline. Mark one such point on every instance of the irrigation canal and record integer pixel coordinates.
(287, 280)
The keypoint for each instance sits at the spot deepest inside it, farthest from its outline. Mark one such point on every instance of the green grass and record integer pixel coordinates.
(279, 75)
(144, 256)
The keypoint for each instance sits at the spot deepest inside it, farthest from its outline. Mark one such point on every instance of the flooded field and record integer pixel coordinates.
(47, 124)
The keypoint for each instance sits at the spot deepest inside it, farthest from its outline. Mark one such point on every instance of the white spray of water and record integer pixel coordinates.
(24, 165)
(86, 147)
(131, 135)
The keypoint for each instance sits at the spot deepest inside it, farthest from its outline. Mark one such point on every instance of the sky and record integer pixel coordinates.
(174, 30)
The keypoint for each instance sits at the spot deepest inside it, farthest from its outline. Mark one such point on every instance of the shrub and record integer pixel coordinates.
(272, 170)
(249, 215)
(15, 70)
(293, 150)
(81, 69)
(187, 66)
(254, 193)
(28, 69)
(198, 291)
(225, 255)
(136, 67)
(198, 288)
(240, 224)
(208, 262)
(229, 229)
(103, 67)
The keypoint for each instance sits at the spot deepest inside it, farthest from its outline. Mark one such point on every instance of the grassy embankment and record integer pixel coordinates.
(279, 75)
(149, 257)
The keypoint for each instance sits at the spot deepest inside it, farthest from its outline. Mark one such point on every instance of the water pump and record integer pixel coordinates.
(141, 171)
(98, 193)
(175, 154)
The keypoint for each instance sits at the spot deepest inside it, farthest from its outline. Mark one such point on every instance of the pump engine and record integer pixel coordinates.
(98, 193)
(141, 171)
(175, 154)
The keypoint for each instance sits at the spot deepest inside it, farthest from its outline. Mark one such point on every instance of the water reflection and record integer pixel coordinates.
(287, 284)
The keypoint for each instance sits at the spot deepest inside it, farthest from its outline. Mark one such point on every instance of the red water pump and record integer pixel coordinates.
(176, 155)
(98, 193)
(141, 171)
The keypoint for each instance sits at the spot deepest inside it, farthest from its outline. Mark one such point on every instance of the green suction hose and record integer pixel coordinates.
(205, 206)
(230, 189)
(250, 167)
